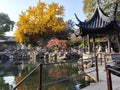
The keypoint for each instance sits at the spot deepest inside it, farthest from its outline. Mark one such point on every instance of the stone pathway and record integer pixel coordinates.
(102, 84)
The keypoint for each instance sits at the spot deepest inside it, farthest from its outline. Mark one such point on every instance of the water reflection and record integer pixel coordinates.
(50, 73)
(9, 80)
(7, 75)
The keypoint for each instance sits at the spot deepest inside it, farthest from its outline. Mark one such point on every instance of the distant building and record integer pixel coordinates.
(8, 43)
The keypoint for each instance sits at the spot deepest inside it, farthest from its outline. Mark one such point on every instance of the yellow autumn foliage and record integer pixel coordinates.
(40, 20)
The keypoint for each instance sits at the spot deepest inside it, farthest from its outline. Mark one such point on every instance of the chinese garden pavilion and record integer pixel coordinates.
(100, 25)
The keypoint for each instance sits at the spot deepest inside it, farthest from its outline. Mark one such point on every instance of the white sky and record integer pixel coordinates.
(14, 7)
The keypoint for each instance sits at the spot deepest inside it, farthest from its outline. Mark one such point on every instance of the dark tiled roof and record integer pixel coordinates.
(99, 23)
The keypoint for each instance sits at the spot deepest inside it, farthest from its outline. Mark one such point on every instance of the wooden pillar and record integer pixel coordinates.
(109, 81)
(105, 63)
(94, 51)
(109, 46)
(82, 64)
(118, 38)
(88, 43)
(95, 58)
(40, 76)
(83, 44)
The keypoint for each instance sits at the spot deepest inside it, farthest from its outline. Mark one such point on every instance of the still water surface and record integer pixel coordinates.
(9, 79)
(50, 73)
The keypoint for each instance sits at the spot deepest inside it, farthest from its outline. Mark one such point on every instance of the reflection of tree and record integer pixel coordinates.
(57, 87)
(8, 70)
(49, 74)
(3, 85)
(31, 83)
(62, 71)
(57, 73)
(17, 79)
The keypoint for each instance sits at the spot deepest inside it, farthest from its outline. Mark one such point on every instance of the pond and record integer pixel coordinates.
(7, 75)
(9, 80)
(50, 73)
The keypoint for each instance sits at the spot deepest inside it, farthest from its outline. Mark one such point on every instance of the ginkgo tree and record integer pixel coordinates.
(40, 21)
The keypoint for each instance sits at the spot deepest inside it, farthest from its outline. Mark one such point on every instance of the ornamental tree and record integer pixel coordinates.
(38, 22)
(56, 43)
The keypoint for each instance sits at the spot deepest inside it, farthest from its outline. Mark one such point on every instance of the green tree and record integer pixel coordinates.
(5, 24)
(106, 5)
(69, 29)
(70, 25)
